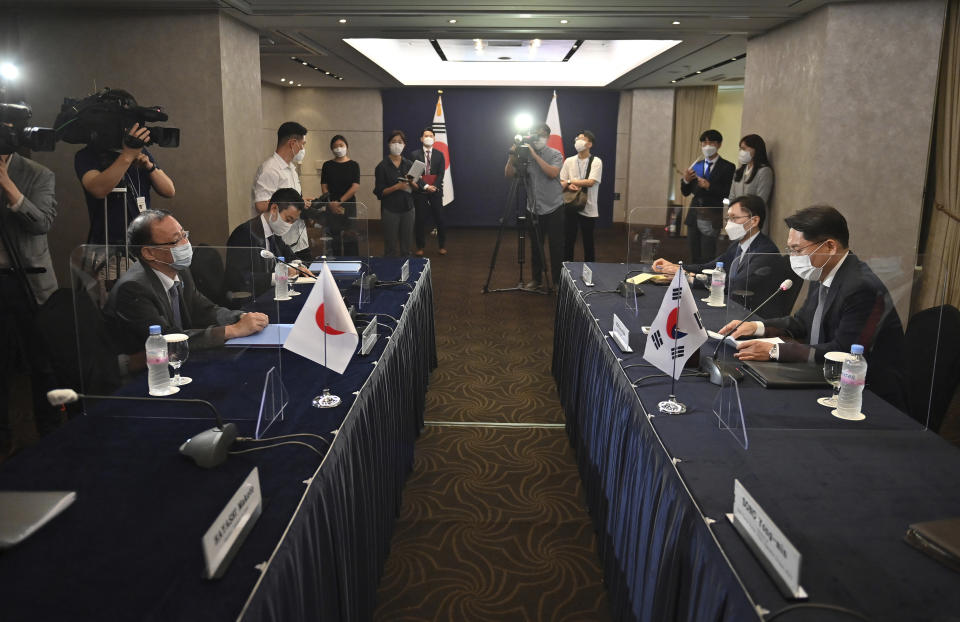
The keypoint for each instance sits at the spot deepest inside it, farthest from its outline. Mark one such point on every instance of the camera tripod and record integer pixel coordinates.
(513, 201)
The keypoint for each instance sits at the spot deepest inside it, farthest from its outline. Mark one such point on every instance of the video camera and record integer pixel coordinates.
(18, 136)
(522, 151)
(104, 119)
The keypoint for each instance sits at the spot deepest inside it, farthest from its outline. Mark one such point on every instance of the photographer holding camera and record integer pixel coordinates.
(544, 199)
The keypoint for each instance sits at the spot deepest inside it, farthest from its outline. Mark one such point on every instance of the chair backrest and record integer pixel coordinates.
(207, 271)
(934, 329)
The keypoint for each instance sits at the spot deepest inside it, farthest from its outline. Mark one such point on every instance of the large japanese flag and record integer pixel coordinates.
(553, 120)
(440, 143)
(324, 332)
(677, 332)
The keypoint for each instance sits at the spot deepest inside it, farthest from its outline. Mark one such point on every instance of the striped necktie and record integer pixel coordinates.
(818, 314)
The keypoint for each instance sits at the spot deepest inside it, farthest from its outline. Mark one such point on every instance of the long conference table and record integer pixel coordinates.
(658, 486)
(129, 547)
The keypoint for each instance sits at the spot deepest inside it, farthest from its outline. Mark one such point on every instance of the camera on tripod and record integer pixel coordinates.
(522, 147)
(103, 120)
(17, 135)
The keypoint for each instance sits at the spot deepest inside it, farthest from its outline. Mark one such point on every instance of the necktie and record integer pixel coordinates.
(427, 154)
(818, 314)
(735, 265)
(706, 169)
(175, 303)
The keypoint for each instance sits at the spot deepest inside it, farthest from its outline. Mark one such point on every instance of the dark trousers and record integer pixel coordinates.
(551, 234)
(585, 224)
(429, 205)
(703, 247)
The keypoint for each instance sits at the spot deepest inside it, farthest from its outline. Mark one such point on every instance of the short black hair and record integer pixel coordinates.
(543, 127)
(820, 222)
(590, 136)
(713, 135)
(285, 197)
(399, 133)
(290, 129)
(753, 205)
(140, 231)
(429, 128)
(336, 138)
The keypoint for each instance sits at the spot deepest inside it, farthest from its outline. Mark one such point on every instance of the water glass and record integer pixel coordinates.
(178, 350)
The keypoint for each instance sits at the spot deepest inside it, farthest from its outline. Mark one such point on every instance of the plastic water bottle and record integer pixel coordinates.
(717, 282)
(281, 285)
(158, 373)
(852, 379)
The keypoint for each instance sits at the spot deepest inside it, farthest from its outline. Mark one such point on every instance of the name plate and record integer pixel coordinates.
(587, 276)
(369, 337)
(780, 558)
(231, 527)
(621, 334)
(405, 271)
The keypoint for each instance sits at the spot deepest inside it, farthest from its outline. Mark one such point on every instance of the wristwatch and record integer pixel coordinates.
(155, 168)
(775, 352)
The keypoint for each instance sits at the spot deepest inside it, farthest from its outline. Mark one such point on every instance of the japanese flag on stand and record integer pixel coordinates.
(553, 120)
(324, 332)
(440, 144)
(677, 332)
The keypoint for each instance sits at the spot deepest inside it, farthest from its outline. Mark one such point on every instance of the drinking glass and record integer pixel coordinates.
(178, 349)
(832, 367)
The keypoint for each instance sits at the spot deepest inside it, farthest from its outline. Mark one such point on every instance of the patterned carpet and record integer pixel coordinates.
(493, 525)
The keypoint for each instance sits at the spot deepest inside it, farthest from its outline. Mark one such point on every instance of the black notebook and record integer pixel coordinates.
(774, 375)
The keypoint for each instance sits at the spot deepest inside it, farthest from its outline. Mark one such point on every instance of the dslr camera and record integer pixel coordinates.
(103, 120)
(16, 135)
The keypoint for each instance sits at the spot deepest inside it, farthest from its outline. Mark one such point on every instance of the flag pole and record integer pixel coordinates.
(671, 406)
(327, 399)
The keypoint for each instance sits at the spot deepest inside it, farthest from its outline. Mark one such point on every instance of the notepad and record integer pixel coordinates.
(23, 512)
(270, 337)
(643, 277)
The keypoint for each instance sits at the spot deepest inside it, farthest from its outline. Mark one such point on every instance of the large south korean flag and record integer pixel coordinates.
(678, 330)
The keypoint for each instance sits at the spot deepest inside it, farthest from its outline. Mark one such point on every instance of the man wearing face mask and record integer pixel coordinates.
(708, 180)
(246, 270)
(846, 304)
(544, 201)
(159, 289)
(429, 200)
(280, 171)
(583, 170)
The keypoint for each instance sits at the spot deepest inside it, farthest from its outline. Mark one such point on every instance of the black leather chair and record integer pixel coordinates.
(936, 329)
(207, 271)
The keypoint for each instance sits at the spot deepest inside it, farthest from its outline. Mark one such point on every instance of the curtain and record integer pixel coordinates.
(941, 264)
(693, 109)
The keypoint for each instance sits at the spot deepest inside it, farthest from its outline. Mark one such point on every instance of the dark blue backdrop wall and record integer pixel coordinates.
(480, 131)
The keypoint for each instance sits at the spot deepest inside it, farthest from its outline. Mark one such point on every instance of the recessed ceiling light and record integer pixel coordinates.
(299, 85)
(734, 58)
(564, 21)
(451, 21)
(673, 81)
(343, 20)
(676, 23)
(699, 72)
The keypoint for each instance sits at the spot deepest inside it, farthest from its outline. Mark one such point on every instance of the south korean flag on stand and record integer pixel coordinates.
(677, 332)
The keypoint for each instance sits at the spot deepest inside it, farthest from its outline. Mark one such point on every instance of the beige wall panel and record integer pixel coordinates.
(726, 120)
(623, 155)
(651, 142)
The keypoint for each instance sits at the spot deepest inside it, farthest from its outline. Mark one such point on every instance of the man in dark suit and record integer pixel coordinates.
(428, 201)
(246, 270)
(846, 304)
(753, 263)
(708, 180)
(159, 289)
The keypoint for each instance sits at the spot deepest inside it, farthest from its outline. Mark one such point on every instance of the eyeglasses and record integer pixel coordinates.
(184, 235)
(737, 218)
(799, 251)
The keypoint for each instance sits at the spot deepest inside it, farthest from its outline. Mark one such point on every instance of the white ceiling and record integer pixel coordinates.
(711, 32)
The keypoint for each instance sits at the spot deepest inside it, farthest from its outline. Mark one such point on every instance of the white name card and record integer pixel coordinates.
(230, 529)
(772, 548)
(621, 334)
(369, 337)
(405, 271)
(587, 276)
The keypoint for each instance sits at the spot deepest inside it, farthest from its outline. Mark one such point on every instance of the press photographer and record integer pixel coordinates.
(114, 129)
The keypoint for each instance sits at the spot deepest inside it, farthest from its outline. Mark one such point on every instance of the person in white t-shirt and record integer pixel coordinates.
(280, 171)
(583, 170)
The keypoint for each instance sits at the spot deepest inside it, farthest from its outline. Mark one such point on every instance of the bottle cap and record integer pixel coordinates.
(280, 259)
(856, 349)
(719, 264)
(154, 329)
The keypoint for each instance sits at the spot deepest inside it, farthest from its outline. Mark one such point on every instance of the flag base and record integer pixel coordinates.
(671, 406)
(327, 400)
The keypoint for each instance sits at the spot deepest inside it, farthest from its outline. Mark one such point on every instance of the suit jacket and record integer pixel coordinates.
(246, 270)
(138, 300)
(720, 178)
(858, 309)
(27, 227)
(761, 271)
(438, 166)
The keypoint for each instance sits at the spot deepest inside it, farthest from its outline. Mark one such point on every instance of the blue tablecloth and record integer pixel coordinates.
(129, 547)
(658, 486)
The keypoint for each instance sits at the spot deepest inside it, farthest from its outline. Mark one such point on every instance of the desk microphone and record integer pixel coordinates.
(717, 369)
(208, 449)
(268, 255)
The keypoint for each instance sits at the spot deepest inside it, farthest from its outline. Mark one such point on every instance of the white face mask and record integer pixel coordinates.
(708, 151)
(744, 157)
(297, 159)
(580, 145)
(396, 148)
(428, 141)
(802, 265)
(735, 230)
(295, 232)
(279, 225)
(339, 151)
(539, 143)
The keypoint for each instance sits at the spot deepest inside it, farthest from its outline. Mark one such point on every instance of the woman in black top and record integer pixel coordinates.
(340, 180)
(396, 199)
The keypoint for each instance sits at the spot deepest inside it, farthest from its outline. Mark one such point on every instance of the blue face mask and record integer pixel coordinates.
(182, 256)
